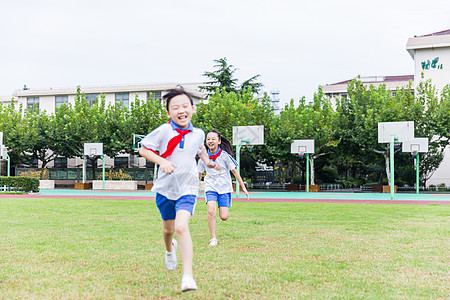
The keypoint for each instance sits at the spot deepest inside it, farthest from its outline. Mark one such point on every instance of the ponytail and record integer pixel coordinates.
(225, 144)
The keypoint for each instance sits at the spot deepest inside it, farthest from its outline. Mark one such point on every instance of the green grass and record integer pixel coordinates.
(90, 249)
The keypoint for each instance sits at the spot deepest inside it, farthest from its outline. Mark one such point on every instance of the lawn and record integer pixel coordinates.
(78, 248)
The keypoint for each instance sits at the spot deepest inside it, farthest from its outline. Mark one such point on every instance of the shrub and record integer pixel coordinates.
(327, 175)
(20, 184)
(297, 180)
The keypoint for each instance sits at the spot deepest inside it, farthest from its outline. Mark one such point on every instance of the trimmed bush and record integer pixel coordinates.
(20, 184)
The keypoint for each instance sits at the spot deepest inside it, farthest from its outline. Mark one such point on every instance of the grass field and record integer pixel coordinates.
(75, 248)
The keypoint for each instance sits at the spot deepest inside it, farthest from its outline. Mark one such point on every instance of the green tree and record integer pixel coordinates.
(309, 120)
(360, 113)
(40, 136)
(144, 117)
(223, 110)
(15, 132)
(223, 79)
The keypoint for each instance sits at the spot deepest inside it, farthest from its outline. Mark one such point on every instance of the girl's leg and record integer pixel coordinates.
(168, 230)
(184, 239)
(211, 205)
(224, 213)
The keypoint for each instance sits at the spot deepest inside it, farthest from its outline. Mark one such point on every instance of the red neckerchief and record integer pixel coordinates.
(215, 156)
(173, 143)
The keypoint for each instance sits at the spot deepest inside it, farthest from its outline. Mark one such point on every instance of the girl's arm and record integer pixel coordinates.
(241, 182)
(165, 165)
(209, 163)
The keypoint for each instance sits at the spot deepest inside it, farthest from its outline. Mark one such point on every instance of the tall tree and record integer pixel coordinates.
(223, 79)
(15, 131)
(227, 109)
(365, 107)
(309, 120)
(40, 136)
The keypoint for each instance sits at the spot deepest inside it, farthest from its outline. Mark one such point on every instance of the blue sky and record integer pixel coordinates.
(294, 45)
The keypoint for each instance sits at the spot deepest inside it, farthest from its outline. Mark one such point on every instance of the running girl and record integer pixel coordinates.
(218, 185)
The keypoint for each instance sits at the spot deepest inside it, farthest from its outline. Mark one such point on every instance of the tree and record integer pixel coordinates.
(144, 117)
(360, 113)
(227, 109)
(40, 136)
(15, 131)
(313, 120)
(223, 80)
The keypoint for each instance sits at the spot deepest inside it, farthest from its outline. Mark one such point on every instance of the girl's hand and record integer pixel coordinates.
(246, 193)
(167, 166)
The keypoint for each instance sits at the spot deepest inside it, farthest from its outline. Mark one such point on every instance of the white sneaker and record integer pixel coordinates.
(188, 283)
(213, 242)
(171, 257)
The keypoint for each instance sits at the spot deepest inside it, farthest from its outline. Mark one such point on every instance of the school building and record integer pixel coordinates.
(431, 57)
(48, 99)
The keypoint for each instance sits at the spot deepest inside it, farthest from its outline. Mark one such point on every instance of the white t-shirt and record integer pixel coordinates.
(219, 181)
(184, 180)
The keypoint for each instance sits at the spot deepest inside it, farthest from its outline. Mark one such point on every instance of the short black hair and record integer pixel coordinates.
(179, 90)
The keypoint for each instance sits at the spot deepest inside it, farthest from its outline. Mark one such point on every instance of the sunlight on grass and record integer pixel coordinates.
(73, 248)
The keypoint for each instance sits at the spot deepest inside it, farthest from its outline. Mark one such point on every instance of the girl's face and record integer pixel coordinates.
(212, 141)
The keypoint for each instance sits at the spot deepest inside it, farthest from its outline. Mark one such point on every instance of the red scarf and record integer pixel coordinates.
(173, 143)
(215, 156)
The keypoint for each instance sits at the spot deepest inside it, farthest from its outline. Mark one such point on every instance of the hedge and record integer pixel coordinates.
(20, 184)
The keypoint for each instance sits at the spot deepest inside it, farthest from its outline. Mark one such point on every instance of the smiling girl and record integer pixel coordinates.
(218, 185)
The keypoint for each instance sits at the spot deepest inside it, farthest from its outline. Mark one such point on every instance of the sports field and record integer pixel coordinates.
(109, 245)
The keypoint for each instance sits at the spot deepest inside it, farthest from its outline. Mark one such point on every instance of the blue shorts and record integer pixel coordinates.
(224, 200)
(168, 208)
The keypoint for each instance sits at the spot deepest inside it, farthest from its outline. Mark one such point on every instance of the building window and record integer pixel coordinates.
(156, 95)
(91, 98)
(123, 98)
(60, 100)
(120, 162)
(61, 162)
(32, 102)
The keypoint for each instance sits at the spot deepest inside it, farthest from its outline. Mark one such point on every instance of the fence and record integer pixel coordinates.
(9, 189)
(77, 174)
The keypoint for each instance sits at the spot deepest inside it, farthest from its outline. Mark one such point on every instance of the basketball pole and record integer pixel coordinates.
(103, 170)
(417, 173)
(84, 168)
(307, 172)
(8, 171)
(392, 165)
(238, 159)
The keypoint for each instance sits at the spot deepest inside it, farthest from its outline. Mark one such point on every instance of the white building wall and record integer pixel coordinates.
(46, 103)
(439, 73)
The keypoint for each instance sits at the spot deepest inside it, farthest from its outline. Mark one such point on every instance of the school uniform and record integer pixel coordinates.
(183, 182)
(218, 182)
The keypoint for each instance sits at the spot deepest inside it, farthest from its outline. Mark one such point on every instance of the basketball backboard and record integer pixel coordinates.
(3, 152)
(402, 131)
(416, 145)
(302, 146)
(91, 149)
(253, 134)
(137, 141)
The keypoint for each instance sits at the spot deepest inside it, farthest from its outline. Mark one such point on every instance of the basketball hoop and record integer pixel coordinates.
(397, 145)
(301, 154)
(414, 154)
(249, 148)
